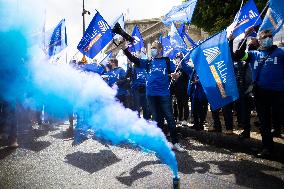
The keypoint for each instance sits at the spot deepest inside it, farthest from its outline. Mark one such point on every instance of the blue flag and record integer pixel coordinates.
(182, 13)
(138, 42)
(213, 64)
(185, 36)
(274, 17)
(246, 17)
(176, 40)
(56, 39)
(96, 37)
(104, 61)
(121, 21)
(168, 50)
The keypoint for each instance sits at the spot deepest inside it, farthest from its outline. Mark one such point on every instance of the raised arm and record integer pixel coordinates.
(131, 57)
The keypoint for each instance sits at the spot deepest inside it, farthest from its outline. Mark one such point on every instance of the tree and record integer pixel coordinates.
(215, 15)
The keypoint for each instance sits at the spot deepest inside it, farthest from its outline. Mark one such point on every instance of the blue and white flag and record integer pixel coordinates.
(182, 13)
(121, 21)
(274, 17)
(138, 40)
(213, 64)
(176, 40)
(55, 40)
(168, 50)
(104, 61)
(96, 37)
(185, 36)
(246, 17)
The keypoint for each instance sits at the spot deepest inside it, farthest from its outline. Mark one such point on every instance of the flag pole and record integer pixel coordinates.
(84, 27)
(254, 24)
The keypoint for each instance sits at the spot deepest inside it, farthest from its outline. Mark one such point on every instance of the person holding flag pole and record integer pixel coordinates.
(267, 63)
(158, 69)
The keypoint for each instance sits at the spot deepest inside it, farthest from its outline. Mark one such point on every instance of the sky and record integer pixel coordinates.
(71, 10)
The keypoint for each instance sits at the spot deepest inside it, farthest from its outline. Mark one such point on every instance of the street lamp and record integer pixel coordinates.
(84, 60)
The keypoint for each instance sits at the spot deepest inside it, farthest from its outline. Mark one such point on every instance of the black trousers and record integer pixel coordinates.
(265, 101)
(244, 105)
(228, 117)
(183, 108)
(199, 112)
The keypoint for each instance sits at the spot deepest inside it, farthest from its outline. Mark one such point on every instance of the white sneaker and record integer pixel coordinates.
(184, 123)
(170, 145)
(178, 148)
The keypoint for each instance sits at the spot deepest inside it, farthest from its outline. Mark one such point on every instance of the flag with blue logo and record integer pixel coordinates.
(185, 36)
(181, 13)
(96, 37)
(246, 17)
(104, 61)
(138, 40)
(168, 50)
(274, 17)
(176, 40)
(55, 40)
(213, 64)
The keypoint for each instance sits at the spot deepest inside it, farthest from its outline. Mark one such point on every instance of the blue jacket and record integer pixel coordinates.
(117, 76)
(157, 80)
(271, 74)
(94, 67)
(138, 77)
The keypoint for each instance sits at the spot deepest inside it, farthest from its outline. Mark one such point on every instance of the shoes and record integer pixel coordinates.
(13, 142)
(244, 135)
(229, 132)
(275, 133)
(265, 153)
(170, 145)
(178, 148)
(183, 123)
(215, 130)
(198, 127)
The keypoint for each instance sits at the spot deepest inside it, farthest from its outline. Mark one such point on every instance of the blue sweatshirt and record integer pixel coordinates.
(116, 75)
(271, 74)
(157, 80)
(139, 76)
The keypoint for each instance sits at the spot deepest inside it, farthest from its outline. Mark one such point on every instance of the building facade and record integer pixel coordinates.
(152, 29)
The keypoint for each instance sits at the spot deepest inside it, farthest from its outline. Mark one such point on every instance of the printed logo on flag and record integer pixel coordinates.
(96, 37)
(211, 54)
(103, 26)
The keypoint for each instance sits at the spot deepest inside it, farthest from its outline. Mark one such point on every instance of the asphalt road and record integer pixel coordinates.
(46, 160)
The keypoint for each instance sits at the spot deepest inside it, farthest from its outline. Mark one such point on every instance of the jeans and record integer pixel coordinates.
(8, 118)
(161, 107)
(140, 101)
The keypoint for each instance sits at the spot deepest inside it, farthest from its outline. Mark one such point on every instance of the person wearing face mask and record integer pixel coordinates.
(158, 70)
(267, 63)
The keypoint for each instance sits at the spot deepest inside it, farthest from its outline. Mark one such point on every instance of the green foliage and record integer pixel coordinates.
(215, 15)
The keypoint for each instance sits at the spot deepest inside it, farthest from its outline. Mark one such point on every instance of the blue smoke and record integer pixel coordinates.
(28, 78)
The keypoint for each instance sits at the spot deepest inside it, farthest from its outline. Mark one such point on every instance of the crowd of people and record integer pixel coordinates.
(169, 91)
